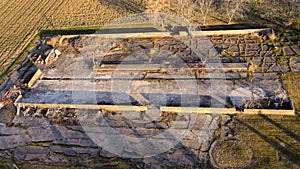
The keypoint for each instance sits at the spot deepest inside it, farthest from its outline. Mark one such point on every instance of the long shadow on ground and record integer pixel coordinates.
(288, 154)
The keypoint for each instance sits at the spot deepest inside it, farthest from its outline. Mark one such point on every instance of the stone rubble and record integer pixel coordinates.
(36, 140)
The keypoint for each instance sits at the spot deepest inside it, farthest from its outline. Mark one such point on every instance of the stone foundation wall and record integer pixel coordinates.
(37, 141)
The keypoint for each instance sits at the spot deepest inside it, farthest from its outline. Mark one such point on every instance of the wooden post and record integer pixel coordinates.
(18, 109)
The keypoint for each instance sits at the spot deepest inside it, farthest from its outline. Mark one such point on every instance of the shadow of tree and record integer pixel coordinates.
(284, 151)
(284, 129)
(255, 16)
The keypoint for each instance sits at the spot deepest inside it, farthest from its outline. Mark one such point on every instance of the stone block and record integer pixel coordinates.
(30, 122)
(69, 134)
(8, 131)
(191, 144)
(75, 128)
(13, 141)
(180, 124)
(69, 151)
(205, 145)
(296, 49)
(254, 47)
(39, 134)
(181, 158)
(288, 51)
(76, 142)
(90, 151)
(295, 64)
(107, 154)
(5, 154)
(31, 154)
(63, 150)
(234, 48)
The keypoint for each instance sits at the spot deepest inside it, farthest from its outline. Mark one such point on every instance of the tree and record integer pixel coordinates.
(204, 8)
(279, 11)
(289, 9)
(185, 8)
(180, 5)
(232, 9)
(154, 6)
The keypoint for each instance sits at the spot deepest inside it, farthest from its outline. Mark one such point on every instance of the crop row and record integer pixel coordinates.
(88, 12)
(20, 20)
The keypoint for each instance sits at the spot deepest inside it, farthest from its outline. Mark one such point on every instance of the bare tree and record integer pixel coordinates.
(184, 8)
(279, 11)
(204, 8)
(289, 9)
(154, 6)
(180, 5)
(232, 8)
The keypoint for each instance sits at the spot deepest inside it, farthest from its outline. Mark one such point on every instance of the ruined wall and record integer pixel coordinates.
(36, 140)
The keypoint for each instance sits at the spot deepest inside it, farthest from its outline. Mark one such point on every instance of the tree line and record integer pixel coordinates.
(283, 12)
